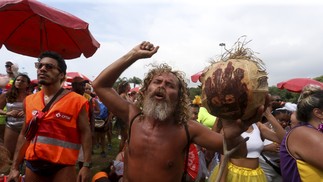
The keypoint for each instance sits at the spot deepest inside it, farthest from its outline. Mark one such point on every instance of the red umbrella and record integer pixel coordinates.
(65, 84)
(196, 76)
(71, 75)
(297, 84)
(136, 89)
(34, 82)
(29, 27)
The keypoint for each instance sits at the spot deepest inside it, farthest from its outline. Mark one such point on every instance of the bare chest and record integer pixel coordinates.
(163, 147)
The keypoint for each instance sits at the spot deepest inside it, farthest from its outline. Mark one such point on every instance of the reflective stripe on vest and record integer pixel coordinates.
(56, 142)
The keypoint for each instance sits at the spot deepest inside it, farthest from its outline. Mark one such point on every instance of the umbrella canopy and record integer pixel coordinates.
(297, 84)
(71, 75)
(135, 89)
(66, 85)
(196, 76)
(29, 27)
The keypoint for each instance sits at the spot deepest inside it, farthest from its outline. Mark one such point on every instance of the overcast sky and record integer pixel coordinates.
(287, 36)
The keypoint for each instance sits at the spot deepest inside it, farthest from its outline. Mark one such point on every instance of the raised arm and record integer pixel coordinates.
(266, 133)
(280, 132)
(103, 84)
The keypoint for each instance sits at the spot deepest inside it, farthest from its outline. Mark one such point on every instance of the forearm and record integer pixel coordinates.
(215, 141)
(2, 112)
(86, 141)
(273, 147)
(110, 74)
(20, 151)
(279, 130)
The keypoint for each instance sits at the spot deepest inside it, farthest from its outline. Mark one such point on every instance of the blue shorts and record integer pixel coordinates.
(44, 168)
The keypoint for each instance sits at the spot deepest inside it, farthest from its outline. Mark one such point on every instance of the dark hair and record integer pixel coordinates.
(12, 94)
(122, 87)
(9, 63)
(279, 111)
(92, 94)
(310, 99)
(60, 60)
(195, 105)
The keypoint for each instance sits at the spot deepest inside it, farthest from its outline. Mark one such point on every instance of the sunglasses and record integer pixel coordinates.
(8, 66)
(48, 66)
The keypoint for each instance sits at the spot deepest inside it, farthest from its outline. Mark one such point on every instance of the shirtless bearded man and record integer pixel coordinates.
(156, 146)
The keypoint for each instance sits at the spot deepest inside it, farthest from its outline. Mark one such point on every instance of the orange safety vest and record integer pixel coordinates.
(57, 139)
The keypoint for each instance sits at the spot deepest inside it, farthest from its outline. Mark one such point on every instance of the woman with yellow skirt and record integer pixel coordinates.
(248, 169)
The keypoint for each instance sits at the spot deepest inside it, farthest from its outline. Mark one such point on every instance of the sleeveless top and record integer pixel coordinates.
(58, 139)
(12, 121)
(294, 169)
(205, 118)
(255, 143)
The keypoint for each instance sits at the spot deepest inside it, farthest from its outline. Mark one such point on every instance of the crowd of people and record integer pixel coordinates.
(164, 136)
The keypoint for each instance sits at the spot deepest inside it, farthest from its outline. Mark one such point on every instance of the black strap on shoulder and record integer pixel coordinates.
(277, 169)
(187, 152)
(132, 120)
(46, 108)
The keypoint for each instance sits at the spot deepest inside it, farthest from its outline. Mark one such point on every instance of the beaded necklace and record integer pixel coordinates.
(320, 128)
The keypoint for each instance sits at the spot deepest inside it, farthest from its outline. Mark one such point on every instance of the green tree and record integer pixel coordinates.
(193, 91)
(320, 78)
(135, 81)
(118, 81)
(285, 95)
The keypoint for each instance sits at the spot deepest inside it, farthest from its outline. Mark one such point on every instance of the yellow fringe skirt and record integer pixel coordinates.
(236, 173)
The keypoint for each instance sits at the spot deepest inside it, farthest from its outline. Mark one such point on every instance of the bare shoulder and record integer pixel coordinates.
(302, 132)
(302, 140)
(134, 111)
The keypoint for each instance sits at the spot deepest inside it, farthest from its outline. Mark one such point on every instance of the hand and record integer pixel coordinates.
(268, 112)
(144, 50)
(20, 114)
(273, 147)
(268, 103)
(13, 175)
(234, 128)
(12, 113)
(84, 175)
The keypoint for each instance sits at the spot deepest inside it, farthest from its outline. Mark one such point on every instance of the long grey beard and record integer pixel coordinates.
(159, 110)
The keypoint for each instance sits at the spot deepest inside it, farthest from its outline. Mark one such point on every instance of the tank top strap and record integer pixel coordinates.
(188, 137)
(132, 120)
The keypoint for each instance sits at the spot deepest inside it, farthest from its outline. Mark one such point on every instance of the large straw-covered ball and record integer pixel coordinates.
(234, 88)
